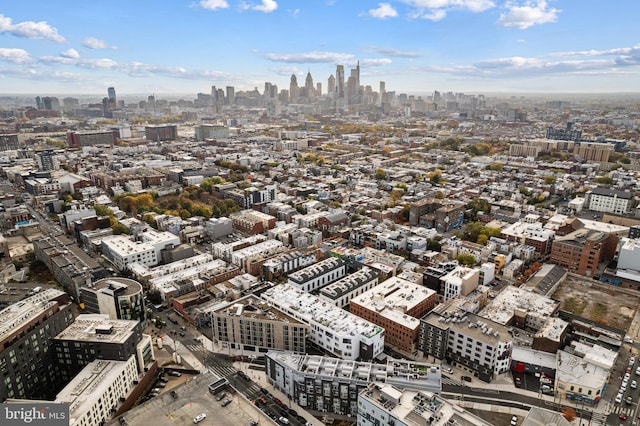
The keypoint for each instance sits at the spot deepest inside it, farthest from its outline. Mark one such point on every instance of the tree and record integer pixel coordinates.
(569, 414)
(380, 174)
(550, 180)
(466, 259)
(102, 210)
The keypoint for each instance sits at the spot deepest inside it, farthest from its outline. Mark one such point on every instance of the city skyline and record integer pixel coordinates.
(415, 46)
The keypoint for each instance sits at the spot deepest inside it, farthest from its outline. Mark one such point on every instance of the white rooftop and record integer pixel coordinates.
(15, 315)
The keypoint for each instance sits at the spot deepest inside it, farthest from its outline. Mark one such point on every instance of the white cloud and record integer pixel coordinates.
(309, 57)
(470, 5)
(384, 10)
(17, 56)
(70, 53)
(287, 71)
(30, 29)
(433, 15)
(267, 6)
(377, 62)
(394, 52)
(214, 4)
(531, 13)
(96, 43)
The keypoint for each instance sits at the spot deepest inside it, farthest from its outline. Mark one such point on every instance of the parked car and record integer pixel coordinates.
(226, 402)
(163, 380)
(514, 420)
(283, 420)
(467, 378)
(638, 371)
(518, 382)
(243, 375)
(174, 373)
(174, 394)
(220, 396)
(181, 333)
(618, 398)
(161, 384)
(200, 417)
(628, 339)
(622, 416)
(629, 400)
(277, 401)
(634, 384)
(447, 370)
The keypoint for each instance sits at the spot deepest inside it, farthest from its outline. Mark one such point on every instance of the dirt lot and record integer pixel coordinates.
(603, 303)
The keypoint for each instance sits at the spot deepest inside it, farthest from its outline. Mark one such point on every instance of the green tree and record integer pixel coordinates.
(466, 259)
(380, 174)
(550, 180)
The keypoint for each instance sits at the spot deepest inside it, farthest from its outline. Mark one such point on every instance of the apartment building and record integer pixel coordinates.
(342, 291)
(460, 282)
(467, 340)
(117, 297)
(610, 200)
(251, 325)
(581, 251)
(390, 405)
(122, 252)
(579, 379)
(515, 306)
(252, 221)
(95, 393)
(95, 336)
(396, 305)
(345, 335)
(27, 360)
(285, 263)
(325, 385)
(316, 276)
(531, 234)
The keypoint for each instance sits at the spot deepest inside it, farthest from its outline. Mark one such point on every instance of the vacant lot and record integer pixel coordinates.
(603, 303)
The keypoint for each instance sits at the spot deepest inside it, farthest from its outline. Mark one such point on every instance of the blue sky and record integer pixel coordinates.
(415, 46)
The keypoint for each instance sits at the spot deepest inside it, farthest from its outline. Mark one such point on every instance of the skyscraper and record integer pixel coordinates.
(331, 85)
(340, 81)
(308, 86)
(293, 88)
(231, 95)
(111, 93)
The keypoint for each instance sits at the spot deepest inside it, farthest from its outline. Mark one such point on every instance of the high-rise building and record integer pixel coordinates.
(46, 160)
(318, 89)
(331, 85)
(340, 81)
(293, 88)
(111, 93)
(231, 95)
(383, 90)
(308, 86)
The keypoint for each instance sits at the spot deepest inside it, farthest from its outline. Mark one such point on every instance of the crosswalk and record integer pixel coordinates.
(623, 409)
(598, 419)
(449, 381)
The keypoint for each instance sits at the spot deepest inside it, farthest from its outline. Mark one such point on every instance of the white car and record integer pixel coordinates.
(200, 417)
(628, 339)
(638, 371)
(634, 384)
(619, 398)
(514, 420)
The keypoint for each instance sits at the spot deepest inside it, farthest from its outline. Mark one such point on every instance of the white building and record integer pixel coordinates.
(243, 257)
(122, 252)
(629, 255)
(460, 282)
(342, 291)
(316, 276)
(577, 378)
(610, 200)
(333, 329)
(101, 386)
(159, 240)
(388, 405)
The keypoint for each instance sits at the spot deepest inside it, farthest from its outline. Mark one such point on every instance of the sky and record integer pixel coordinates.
(414, 46)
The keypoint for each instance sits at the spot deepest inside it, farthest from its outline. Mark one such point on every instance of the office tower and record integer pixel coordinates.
(353, 86)
(270, 91)
(39, 103)
(111, 93)
(293, 88)
(308, 86)
(318, 89)
(331, 85)
(69, 104)
(51, 102)
(231, 95)
(27, 356)
(383, 90)
(340, 81)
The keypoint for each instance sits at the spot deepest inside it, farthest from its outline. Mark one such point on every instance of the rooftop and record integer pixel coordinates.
(14, 316)
(253, 307)
(98, 328)
(512, 299)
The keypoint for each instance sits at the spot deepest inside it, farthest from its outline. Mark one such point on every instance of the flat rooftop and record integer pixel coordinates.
(511, 298)
(14, 316)
(98, 328)
(253, 307)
